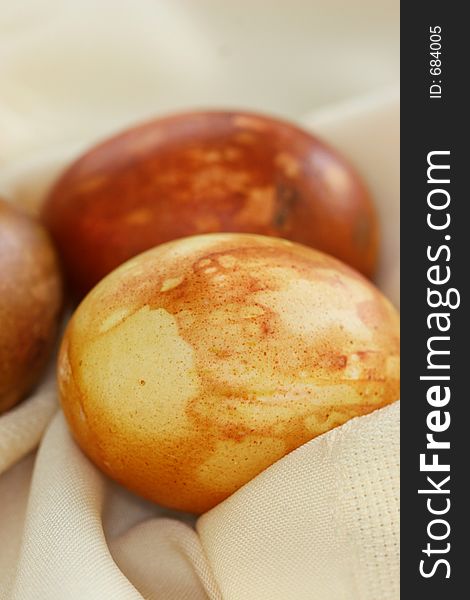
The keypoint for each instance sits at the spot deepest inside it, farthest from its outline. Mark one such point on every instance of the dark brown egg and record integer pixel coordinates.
(30, 302)
(208, 172)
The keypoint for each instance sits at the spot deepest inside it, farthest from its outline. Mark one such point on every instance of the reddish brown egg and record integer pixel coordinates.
(208, 172)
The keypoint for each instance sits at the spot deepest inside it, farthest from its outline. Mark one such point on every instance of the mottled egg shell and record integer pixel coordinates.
(197, 364)
(30, 303)
(208, 172)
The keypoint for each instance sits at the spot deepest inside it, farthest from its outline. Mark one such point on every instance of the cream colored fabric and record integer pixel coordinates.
(321, 524)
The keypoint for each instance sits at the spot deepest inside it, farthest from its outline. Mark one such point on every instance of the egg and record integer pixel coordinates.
(30, 303)
(197, 364)
(202, 173)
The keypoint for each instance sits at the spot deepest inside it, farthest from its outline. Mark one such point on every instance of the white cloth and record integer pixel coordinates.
(322, 523)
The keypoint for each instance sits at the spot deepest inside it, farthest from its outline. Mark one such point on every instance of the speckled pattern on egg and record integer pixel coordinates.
(208, 172)
(196, 365)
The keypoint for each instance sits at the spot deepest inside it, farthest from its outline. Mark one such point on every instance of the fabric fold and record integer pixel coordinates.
(320, 523)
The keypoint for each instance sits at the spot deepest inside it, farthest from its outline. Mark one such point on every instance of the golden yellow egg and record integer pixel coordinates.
(196, 365)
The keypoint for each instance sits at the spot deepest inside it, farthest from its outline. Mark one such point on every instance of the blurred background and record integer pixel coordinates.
(75, 70)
